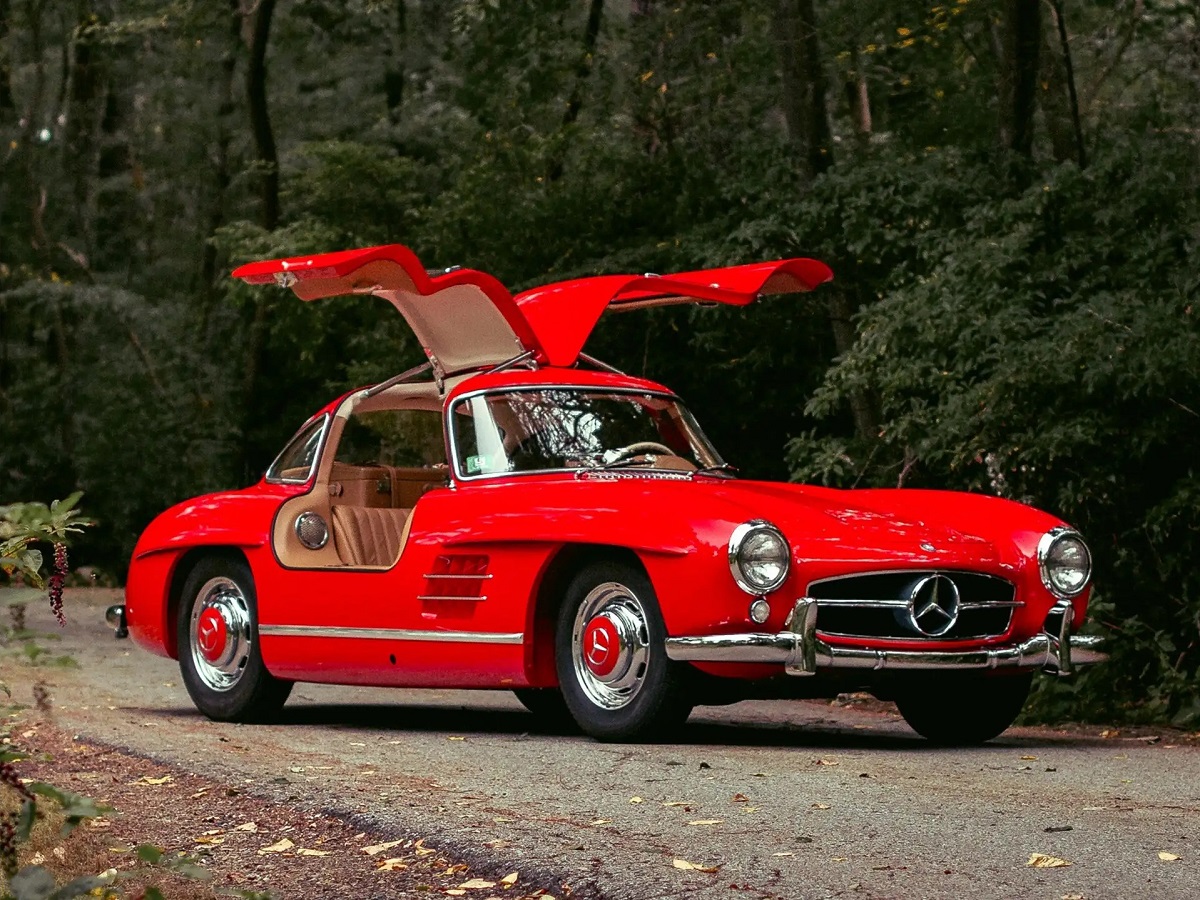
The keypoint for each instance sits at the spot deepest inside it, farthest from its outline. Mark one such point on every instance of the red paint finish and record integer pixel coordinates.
(472, 600)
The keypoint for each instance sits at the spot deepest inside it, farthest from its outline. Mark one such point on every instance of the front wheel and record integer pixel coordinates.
(961, 711)
(218, 645)
(611, 657)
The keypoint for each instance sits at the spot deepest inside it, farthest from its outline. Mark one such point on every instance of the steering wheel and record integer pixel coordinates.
(641, 447)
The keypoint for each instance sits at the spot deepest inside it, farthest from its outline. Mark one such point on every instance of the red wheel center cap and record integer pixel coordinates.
(601, 646)
(211, 634)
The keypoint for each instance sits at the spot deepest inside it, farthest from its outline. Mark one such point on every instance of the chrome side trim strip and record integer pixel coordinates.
(450, 597)
(393, 634)
(802, 652)
(477, 577)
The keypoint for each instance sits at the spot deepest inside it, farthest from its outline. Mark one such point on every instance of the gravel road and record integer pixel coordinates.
(795, 799)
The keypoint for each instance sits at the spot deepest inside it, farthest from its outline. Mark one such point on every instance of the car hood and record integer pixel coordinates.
(467, 320)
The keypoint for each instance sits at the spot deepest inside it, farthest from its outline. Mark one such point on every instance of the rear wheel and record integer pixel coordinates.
(961, 711)
(218, 645)
(613, 669)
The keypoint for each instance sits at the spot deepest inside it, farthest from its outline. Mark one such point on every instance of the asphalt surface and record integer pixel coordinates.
(781, 799)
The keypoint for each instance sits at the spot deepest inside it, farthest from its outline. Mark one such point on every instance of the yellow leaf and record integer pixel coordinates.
(394, 864)
(1028, 757)
(706, 821)
(304, 851)
(379, 848)
(210, 840)
(785, 853)
(146, 779)
(826, 762)
(635, 799)
(839, 858)
(820, 806)
(678, 803)
(1167, 857)
(509, 879)
(477, 884)
(698, 867)
(278, 847)
(601, 822)
(456, 738)
(248, 826)
(1042, 861)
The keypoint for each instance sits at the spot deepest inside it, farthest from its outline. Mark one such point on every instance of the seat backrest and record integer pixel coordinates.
(369, 535)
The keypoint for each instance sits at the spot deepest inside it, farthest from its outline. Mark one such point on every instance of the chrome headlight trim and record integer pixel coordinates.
(737, 542)
(1046, 547)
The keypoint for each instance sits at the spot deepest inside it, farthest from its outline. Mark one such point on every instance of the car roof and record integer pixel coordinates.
(466, 320)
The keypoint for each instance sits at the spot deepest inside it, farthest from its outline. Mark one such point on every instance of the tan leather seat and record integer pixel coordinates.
(369, 535)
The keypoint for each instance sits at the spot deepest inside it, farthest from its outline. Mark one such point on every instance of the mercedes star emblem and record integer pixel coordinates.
(933, 604)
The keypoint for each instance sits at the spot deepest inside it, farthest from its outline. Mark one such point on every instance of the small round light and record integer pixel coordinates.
(760, 609)
(758, 557)
(312, 530)
(1064, 562)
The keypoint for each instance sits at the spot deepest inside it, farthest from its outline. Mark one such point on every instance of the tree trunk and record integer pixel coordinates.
(591, 34)
(804, 85)
(8, 106)
(1022, 39)
(221, 173)
(1068, 76)
(260, 116)
(394, 73)
(83, 111)
(858, 96)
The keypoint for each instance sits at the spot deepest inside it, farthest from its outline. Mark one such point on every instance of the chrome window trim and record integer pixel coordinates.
(1043, 554)
(326, 419)
(452, 440)
(394, 634)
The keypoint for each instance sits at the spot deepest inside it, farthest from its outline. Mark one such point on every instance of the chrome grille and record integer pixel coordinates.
(878, 605)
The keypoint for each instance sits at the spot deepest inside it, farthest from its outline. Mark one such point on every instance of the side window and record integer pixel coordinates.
(295, 463)
(407, 438)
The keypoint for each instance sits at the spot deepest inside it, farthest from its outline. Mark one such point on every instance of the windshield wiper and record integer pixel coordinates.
(722, 469)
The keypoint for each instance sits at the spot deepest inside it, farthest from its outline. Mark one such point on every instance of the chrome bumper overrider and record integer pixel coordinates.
(802, 652)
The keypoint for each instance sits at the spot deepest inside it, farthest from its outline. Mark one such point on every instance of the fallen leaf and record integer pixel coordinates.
(210, 840)
(394, 864)
(278, 847)
(785, 853)
(839, 858)
(820, 806)
(1042, 861)
(200, 793)
(454, 892)
(98, 823)
(146, 779)
(248, 826)
(379, 848)
(706, 821)
(1028, 757)
(509, 879)
(601, 822)
(678, 803)
(477, 884)
(357, 744)
(749, 809)
(635, 799)
(826, 762)
(456, 738)
(698, 867)
(304, 851)
(1167, 857)
(740, 798)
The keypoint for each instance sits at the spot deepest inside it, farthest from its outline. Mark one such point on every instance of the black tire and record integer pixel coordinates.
(632, 691)
(549, 707)
(962, 710)
(218, 645)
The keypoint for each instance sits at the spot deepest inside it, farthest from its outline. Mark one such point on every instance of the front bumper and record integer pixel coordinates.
(802, 652)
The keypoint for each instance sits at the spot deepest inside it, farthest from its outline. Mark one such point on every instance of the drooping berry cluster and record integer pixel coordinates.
(56, 582)
(8, 775)
(8, 844)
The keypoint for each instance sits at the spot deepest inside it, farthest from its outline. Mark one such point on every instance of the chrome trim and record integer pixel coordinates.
(392, 634)
(326, 419)
(395, 380)
(115, 617)
(884, 603)
(223, 669)
(738, 538)
(951, 572)
(448, 597)
(926, 604)
(1048, 540)
(458, 576)
(298, 525)
(802, 652)
(452, 440)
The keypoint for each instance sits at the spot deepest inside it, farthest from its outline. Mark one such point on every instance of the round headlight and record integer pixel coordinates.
(1064, 561)
(758, 556)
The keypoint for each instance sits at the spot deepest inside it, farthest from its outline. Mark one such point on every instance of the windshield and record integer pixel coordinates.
(552, 429)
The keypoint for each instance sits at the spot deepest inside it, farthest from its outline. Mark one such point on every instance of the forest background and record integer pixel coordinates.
(1007, 190)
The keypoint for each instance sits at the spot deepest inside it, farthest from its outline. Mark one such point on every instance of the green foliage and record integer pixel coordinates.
(22, 524)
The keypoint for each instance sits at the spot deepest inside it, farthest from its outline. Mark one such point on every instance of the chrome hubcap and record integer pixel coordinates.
(220, 632)
(610, 645)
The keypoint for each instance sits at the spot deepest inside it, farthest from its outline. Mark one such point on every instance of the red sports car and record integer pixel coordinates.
(515, 514)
